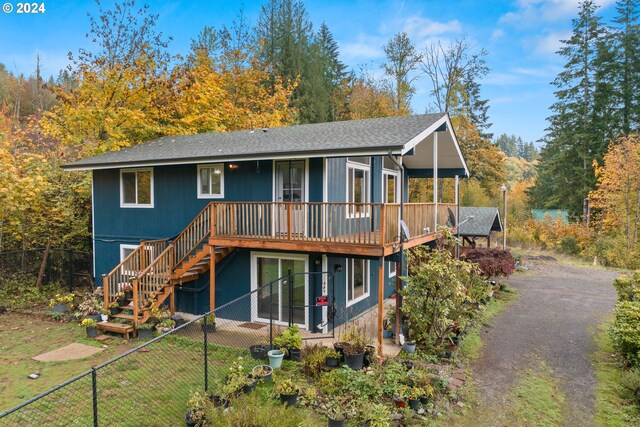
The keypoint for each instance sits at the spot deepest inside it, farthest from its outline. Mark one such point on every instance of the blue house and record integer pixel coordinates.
(199, 220)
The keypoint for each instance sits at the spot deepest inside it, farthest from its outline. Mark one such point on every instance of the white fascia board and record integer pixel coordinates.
(204, 160)
(431, 129)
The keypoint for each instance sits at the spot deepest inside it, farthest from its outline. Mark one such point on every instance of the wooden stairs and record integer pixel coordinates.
(152, 271)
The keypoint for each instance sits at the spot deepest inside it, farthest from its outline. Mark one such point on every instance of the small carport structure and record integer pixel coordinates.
(478, 222)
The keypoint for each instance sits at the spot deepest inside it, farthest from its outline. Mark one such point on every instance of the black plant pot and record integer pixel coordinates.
(340, 349)
(209, 327)
(294, 355)
(369, 352)
(188, 421)
(334, 423)
(219, 401)
(145, 333)
(289, 399)
(354, 361)
(92, 332)
(424, 400)
(414, 404)
(96, 317)
(332, 361)
(128, 294)
(122, 302)
(258, 352)
(248, 388)
(409, 364)
(113, 310)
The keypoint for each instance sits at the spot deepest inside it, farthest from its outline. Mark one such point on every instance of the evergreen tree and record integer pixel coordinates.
(626, 69)
(575, 138)
(333, 70)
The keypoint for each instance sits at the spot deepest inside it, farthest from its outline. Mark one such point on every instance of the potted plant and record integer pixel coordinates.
(339, 348)
(376, 415)
(427, 393)
(291, 340)
(336, 413)
(389, 322)
(258, 351)
(262, 372)
(166, 325)
(354, 341)
(61, 302)
(104, 315)
(414, 394)
(208, 323)
(332, 358)
(121, 299)
(369, 355)
(238, 380)
(275, 358)
(90, 326)
(409, 347)
(113, 308)
(145, 330)
(128, 291)
(288, 392)
(196, 406)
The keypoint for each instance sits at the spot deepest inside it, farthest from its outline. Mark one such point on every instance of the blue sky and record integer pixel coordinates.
(520, 36)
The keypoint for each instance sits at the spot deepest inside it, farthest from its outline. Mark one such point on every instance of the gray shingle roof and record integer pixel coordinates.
(484, 221)
(370, 136)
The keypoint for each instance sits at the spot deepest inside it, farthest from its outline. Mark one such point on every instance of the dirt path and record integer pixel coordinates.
(552, 322)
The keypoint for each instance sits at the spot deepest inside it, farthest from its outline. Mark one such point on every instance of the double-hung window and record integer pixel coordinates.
(136, 188)
(357, 280)
(358, 189)
(390, 194)
(211, 181)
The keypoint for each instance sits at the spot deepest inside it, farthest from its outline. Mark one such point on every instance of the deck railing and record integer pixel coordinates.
(352, 223)
(130, 268)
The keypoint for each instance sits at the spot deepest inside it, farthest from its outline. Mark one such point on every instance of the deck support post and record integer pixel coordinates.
(380, 304)
(435, 181)
(212, 258)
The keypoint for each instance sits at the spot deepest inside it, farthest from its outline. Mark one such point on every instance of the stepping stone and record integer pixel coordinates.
(103, 337)
(68, 352)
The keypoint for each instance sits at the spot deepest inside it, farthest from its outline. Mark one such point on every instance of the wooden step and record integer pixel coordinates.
(118, 328)
(124, 316)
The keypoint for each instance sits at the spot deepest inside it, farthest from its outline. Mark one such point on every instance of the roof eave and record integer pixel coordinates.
(377, 151)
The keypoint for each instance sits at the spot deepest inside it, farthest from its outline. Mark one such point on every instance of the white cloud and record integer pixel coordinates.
(549, 44)
(497, 34)
(533, 12)
(420, 27)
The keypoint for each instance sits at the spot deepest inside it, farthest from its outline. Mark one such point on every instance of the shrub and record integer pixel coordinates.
(569, 246)
(441, 293)
(625, 331)
(313, 359)
(630, 382)
(492, 262)
(628, 287)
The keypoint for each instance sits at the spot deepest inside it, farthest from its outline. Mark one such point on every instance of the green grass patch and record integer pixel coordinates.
(472, 343)
(613, 406)
(537, 399)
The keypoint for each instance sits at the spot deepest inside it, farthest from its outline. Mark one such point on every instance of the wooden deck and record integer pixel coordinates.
(365, 229)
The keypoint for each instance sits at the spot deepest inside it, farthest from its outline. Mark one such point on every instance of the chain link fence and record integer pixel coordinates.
(73, 269)
(150, 384)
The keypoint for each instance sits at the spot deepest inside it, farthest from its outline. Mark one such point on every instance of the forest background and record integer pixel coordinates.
(283, 70)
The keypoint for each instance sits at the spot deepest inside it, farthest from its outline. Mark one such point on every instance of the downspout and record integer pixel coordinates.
(398, 327)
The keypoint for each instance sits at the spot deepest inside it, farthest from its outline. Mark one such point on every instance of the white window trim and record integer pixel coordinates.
(367, 282)
(392, 269)
(385, 174)
(124, 247)
(254, 283)
(151, 184)
(367, 169)
(211, 196)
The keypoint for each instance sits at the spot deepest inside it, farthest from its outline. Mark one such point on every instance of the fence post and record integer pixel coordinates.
(94, 386)
(206, 354)
(290, 297)
(70, 270)
(271, 315)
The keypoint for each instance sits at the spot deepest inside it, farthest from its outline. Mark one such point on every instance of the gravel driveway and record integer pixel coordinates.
(553, 320)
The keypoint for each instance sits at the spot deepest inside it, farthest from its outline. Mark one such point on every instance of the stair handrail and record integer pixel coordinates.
(192, 236)
(154, 277)
(112, 281)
